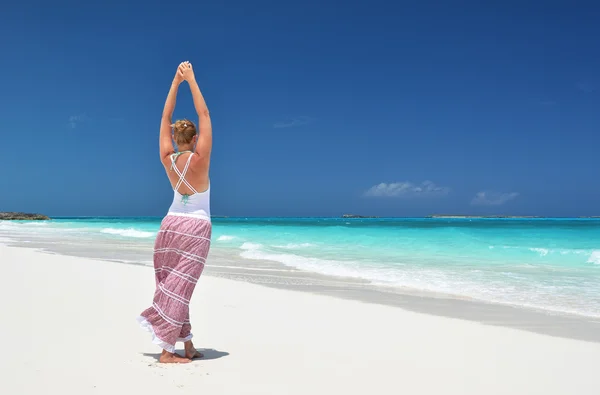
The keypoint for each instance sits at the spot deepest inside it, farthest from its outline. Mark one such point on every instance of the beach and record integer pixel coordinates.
(70, 325)
(208, 172)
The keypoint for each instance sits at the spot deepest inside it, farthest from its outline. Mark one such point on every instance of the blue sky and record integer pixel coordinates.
(318, 107)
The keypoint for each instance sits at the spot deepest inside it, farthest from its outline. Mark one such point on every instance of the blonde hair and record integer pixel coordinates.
(184, 131)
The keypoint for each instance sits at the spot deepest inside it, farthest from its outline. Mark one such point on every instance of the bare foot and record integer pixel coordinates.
(191, 352)
(167, 357)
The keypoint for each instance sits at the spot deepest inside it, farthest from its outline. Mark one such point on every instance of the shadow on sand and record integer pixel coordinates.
(209, 353)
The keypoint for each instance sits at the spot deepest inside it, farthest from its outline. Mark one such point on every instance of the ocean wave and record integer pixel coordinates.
(250, 246)
(562, 251)
(7, 224)
(294, 246)
(594, 257)
(317, 265)
(225, 238)
(21, 225)
(128, 232)
(509, 287)
(542, 252)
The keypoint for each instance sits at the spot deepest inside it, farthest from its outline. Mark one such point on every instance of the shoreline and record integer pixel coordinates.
(80, 314)
(275, 275)
(338, 217)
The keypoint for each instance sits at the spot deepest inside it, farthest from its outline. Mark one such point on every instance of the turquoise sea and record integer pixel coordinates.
(549, 264)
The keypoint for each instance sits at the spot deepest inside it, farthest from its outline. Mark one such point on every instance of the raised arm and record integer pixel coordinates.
(166, 142)
(204, 144)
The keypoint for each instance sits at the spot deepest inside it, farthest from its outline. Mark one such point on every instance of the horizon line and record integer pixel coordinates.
(353, 216)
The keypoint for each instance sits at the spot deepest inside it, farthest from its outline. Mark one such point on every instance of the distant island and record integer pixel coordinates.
(357, 216)
(22, 216)
(494, 216)
(481, 216)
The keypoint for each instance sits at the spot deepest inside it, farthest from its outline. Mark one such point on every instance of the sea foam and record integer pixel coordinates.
(294, 246)
(595, 257)
(128, 232)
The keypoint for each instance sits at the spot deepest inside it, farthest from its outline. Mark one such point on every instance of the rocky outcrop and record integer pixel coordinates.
(21, 216)
(356, 216)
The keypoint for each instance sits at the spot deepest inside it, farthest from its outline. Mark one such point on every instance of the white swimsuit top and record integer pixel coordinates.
(194, 205)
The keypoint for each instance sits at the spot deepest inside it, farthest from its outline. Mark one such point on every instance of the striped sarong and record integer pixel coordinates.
(180, 251)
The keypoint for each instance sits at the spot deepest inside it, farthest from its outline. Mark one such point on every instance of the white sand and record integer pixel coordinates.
(68, 327)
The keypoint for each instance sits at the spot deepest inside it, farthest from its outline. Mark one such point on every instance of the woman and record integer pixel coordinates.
(183, 241)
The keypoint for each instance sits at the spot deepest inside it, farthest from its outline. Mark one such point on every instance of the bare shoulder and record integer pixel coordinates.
(166, 161)
(200, 161)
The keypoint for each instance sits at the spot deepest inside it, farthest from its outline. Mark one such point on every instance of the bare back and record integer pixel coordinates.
(196, 175)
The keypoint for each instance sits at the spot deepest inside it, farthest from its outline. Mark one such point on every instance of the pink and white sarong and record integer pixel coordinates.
(180, 251)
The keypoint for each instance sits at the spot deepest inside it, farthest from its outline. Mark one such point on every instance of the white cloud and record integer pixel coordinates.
(75, 120)
(487, 198)
(293, 122)
(406, 189)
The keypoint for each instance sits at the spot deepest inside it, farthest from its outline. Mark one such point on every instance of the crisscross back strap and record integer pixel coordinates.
(182, 174)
